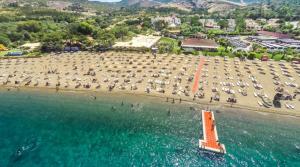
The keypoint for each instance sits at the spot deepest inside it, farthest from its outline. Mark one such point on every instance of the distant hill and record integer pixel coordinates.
(155, 2)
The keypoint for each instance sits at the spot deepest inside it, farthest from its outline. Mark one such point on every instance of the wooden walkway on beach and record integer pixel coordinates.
(197, 75)
(211, 140)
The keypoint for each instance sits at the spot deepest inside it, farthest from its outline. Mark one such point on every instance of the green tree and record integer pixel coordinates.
(85, 28)
(252, 55)
(224, 42)
(288, 52)
(4, 40)
(223, 23)
(120, 31)
(30, 26)
(15, 36)
(27, 36)
(221, 50)
(105, 38)
(195, 21)
(146, 23)
(52, 42)
(256, 47)
(285, 12)
(160, 25)
(240, 24)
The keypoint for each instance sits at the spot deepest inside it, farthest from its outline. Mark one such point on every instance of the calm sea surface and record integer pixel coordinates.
(72, 129)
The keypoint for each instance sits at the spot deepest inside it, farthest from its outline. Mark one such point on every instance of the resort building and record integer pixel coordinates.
(198, 44)
(231, 25)
(172, 21)
(253, 25)
(295, 24)
(273, 23)
(209, 23)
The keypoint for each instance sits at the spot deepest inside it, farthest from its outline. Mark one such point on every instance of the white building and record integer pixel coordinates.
(209, 23)
(253, 25)
(296, 24)
(172, 21)
(231, 24)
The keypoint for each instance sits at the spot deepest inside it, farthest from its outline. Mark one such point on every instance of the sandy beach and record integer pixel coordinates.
(215, 81)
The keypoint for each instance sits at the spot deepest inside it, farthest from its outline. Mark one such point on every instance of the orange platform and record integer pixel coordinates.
(211, 140)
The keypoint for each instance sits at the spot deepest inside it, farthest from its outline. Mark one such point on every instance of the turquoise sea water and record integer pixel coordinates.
(71, 129)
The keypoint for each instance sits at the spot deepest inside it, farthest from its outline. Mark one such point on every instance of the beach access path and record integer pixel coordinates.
(197, 75)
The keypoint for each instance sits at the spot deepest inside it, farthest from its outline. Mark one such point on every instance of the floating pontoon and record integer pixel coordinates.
(211, 140)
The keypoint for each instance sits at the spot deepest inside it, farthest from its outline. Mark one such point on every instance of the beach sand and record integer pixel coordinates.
(170, 77)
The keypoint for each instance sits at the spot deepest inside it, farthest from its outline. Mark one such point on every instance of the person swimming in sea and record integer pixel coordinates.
(169, 112)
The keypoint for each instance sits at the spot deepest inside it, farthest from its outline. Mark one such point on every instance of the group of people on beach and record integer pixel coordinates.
(221, 80)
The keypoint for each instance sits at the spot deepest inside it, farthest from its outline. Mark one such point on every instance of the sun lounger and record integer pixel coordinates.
(287, 106)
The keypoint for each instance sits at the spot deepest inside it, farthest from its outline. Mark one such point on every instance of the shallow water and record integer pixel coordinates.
(71, 129)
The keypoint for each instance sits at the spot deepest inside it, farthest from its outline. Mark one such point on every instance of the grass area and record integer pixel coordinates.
(3, 53)
(277, 57)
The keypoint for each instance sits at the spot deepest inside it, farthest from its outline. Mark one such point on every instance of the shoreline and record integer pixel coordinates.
(201, 104)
